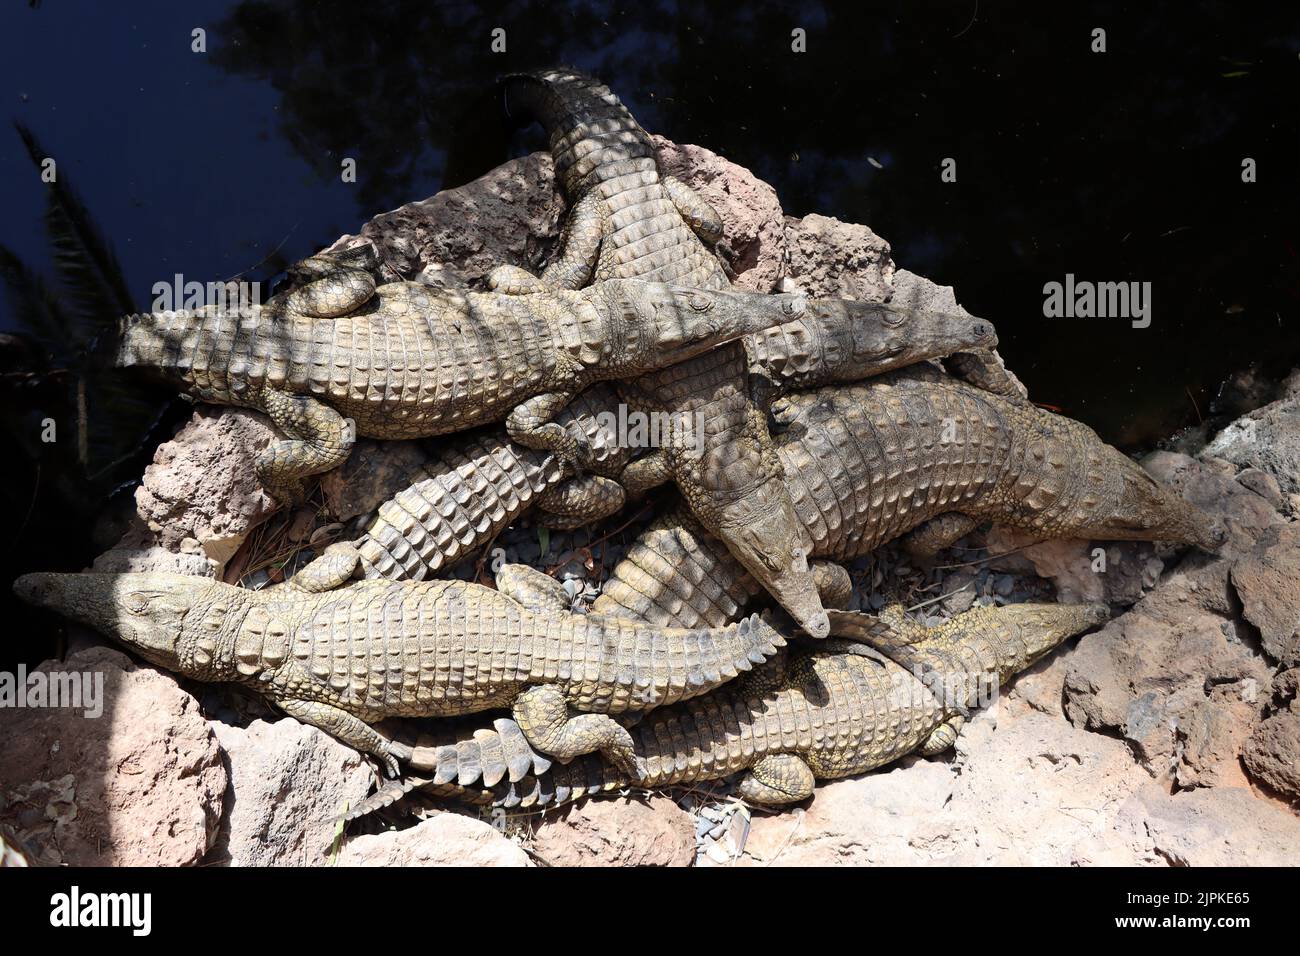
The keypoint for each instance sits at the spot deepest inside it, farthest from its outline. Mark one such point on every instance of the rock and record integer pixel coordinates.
(139, 785)
(889, 818)
(652, 832)
(1268, 582)
(829, 258)
(1212, 485)
(289, 784)
(751, 214)
(375, 472)
(1174, 677)
(447, 839)
(1222, 827)
(201, 495)
(1129, 569)
(508, 216)
(1268, 439)
(1031, 791)
(1272, 754)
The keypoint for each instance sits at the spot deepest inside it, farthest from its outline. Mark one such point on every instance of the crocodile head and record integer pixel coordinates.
(1024, 634)
(764, 534)
(145, 611)
(1121, 501)
(660, 325)
(870, 338)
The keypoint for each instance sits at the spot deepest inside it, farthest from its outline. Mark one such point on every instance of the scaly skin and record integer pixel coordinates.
(831, 711)
(473, 488)
(344, 659)
(912, 453)
(630, 221)
(409, 361)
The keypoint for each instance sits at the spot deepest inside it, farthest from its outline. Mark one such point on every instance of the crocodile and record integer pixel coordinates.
(814, 712)
(345, 658)
(472, 488)
(339, 357)
(918, 455)
(630, 220)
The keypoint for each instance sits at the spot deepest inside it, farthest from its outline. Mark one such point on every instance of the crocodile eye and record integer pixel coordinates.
(700, 303)
(892, 318)
(137, 602)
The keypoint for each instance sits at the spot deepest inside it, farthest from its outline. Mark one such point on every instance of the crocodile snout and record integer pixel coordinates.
(982, 330)
(1214, 537)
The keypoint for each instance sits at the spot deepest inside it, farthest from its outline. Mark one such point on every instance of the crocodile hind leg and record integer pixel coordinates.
(333, 288)
(579, 501)
(349, 729)
(928, 539)
(543, 715)
(778, 779)
(319, 439)
(529, 423)
(942, 737)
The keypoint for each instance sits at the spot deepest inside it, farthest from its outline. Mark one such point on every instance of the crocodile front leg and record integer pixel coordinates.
(532, 588)
(543, 715)
(778, 779)
(572, 269)
(319, 439)
(698, 214)
(579, 501)
(834, 586)
(349, 729)
(942, 531)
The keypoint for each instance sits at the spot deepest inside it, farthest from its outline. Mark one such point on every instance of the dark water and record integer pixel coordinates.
(1115, 166)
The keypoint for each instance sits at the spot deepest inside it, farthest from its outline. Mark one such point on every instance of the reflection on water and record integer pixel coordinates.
(220, 164)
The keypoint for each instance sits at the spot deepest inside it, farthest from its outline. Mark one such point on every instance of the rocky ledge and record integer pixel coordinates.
(1169, 737)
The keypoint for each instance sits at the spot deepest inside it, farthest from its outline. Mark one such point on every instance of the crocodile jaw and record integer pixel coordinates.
(143, 611)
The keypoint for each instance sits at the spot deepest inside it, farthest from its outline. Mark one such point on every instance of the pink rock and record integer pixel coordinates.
(829, 258)
(751, 213)
(201, 494)
(653, 832)
(447, 839)
(140, 785)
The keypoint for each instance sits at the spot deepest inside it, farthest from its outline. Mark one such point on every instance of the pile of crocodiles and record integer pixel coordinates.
(826, 428)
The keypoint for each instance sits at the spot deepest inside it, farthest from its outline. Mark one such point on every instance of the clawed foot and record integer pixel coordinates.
(396, 752)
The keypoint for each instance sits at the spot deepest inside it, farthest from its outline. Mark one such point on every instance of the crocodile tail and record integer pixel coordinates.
(712, 657)
(589, 128)
(459, 501)
(493, 767)
(676, 574)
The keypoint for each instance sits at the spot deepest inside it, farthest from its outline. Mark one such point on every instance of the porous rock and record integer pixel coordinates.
(289, 784)
(653, 832)
(142, 784)
(446, 839)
